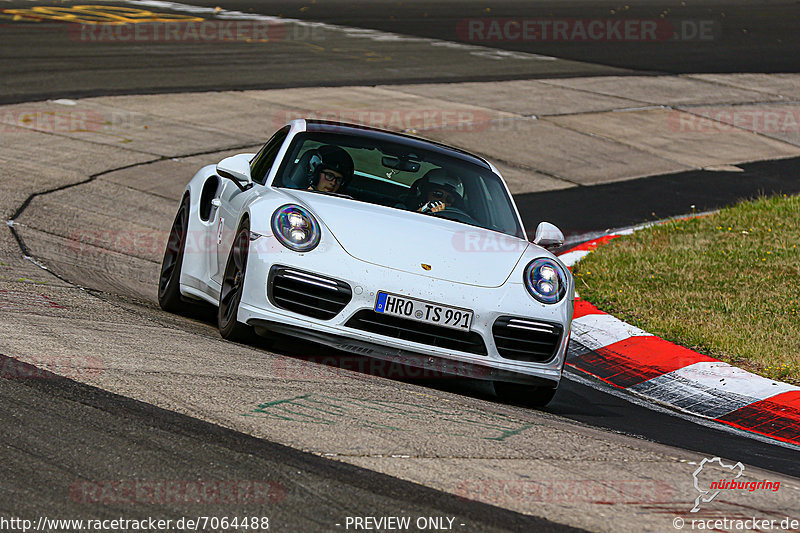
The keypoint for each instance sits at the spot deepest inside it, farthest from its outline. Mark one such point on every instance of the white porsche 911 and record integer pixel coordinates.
(377, 243)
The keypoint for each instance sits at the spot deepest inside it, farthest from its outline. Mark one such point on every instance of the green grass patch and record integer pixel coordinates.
(726, 285)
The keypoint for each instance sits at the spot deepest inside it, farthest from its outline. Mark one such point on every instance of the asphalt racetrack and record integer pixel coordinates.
(64, 438)
(42, 59)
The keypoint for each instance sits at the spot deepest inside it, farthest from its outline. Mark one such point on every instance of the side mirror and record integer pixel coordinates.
(237, 169)
(548, 236)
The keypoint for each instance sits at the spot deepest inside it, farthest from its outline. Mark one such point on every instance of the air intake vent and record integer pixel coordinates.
(306, 293)
(411, 330)
(522, 339)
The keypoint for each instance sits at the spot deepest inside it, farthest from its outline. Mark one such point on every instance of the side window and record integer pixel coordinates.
(262, 162)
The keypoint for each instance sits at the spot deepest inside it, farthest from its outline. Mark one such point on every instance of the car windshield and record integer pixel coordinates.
(399, 176)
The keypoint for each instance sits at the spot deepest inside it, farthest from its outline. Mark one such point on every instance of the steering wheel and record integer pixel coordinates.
(454, 213)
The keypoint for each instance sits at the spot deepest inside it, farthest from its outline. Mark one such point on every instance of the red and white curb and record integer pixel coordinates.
(632, 359)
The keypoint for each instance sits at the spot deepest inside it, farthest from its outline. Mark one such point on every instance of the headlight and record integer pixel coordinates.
(546, 280)
(295, 228)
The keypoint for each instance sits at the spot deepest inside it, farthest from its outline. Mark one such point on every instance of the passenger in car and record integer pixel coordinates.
(330, 168)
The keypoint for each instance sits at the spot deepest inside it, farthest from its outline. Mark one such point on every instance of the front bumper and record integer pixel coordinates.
(366, 280)
(437, 365)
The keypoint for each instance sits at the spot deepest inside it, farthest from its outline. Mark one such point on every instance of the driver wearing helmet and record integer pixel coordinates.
(439, 190)
(330, 169)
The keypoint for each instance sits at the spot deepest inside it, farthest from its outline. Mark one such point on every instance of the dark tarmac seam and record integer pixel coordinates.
(93, 177)
(595, 208)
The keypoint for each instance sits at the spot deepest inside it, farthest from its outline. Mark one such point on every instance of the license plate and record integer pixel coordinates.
(422, 311)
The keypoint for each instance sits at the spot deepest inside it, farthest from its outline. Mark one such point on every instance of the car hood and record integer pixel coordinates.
(405, 241)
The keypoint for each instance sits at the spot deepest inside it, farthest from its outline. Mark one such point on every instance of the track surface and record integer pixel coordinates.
(93, 427)
(746, 36)
(77, 64)
(130, 69)
(587, 210)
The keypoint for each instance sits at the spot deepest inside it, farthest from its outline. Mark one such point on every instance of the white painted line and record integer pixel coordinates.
(570, 258)
(599, 331)
(640, 108)
(692, 397)
(585, 237)
(710, 388)
(730, 379)
(643, 401)
(361, 33)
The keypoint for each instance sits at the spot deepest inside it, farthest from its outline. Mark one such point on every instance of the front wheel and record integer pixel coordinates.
(169, 294)
(232, 286)
(528, 395)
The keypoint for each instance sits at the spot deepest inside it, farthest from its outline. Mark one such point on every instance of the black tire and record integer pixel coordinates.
(232, 286)
(169, 294)
(528, 395)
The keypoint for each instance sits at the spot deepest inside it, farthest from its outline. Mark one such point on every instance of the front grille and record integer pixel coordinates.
(411, 330)
(307, 293)
(522, 339)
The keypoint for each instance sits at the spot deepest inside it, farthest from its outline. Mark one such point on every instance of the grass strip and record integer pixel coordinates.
(726, 285)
